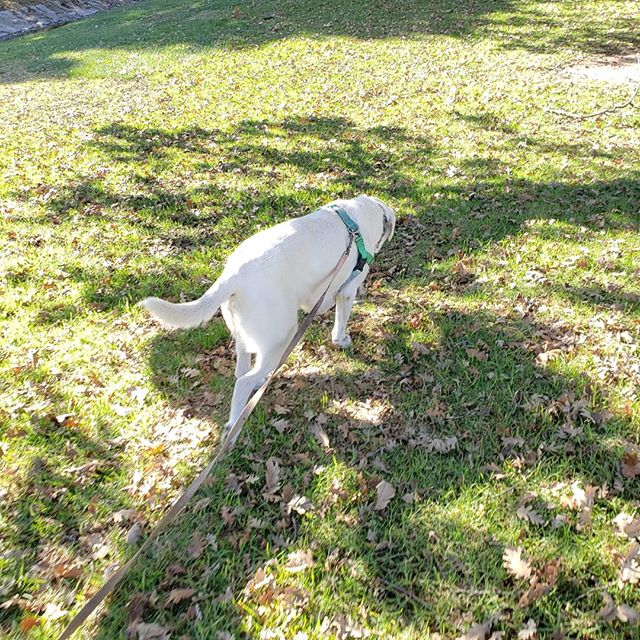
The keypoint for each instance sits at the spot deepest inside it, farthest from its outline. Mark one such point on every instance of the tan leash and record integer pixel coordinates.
(226, 446)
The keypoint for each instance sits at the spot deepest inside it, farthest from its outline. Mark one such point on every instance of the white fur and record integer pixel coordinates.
(272, 275)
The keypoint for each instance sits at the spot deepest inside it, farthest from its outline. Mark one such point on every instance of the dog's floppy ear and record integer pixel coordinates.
(389, 224)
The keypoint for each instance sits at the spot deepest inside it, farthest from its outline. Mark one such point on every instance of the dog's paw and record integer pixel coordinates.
(343, 343)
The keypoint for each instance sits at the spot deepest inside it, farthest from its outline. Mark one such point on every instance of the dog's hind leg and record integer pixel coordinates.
(246, 384)
(243, 358)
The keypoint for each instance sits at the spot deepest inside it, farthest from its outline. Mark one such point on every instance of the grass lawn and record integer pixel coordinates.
(493, 384)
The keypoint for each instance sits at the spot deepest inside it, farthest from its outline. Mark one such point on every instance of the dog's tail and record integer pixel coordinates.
(190, 314)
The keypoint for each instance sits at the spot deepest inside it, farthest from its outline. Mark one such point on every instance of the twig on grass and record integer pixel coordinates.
(404, 592)
(396, 588)
(585, 116)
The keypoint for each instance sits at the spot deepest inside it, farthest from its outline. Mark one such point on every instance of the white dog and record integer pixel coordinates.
(278, 271)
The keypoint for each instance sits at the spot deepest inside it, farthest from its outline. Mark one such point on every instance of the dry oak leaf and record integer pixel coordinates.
(627, 525)
(477, 354)
(610, 612)
(280, 425)
(67, 570)
(133, 534)
(260, 580)
(478, 631)
(320, 435)
(524, 512)
(28, 622)
(136, 607)
(385, 492)
(150, 631)
(541, 584)
(272, 476)
(299, 504)
(529, 631)
(629, 568)
(631, 462)
(178, 595)
(53, 611)
(196, 546)
(515, 564)
(627, 614)
(299, 561)
(342, 628)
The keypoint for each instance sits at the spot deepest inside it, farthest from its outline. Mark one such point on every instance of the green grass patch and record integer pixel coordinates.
(495, 371)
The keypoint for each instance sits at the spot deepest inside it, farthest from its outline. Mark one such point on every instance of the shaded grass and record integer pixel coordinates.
(154, 138)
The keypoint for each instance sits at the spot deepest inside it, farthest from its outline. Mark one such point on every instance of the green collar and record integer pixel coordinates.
(354, 230)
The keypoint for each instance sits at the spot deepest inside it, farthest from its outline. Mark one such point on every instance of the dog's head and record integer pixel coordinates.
(388, 222)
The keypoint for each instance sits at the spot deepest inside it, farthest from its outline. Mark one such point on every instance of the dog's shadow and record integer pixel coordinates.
(476, 387)
(193, 369)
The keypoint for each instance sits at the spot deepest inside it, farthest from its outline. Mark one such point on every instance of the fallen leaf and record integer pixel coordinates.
(299, 561)
(136, 607)
(341, 627)
(385, 492)
(67, 570)
(272, 476)
(227, 516)
(623, 612)
(497, 472)
(515, 564)
(477, 354)
(259, 580)
(608, 610)
(178, 595)
(627, 525)
(299, 504)
(53, 611)
(631, 462)
(586, 504)
(66, 420)
(478, 631)
(280, 425)
(529, 631)
(150, 631)
(320, 435)
(524, 512)
(442, 445)
(124, 515)
(196, 546)
(541, 584)
(133, 534)
(629, 567)
(627, 614)
(28, 622)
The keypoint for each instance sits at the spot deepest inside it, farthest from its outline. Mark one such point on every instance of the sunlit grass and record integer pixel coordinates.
(140, 146)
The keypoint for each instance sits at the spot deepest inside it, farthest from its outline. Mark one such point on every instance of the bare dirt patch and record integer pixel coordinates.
(613, 69)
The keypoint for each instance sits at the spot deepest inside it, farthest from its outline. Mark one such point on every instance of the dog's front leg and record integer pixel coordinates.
(344, 303)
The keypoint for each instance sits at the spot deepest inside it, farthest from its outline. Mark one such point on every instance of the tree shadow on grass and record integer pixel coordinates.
(328, 158)
(63, 488)
(601, 297)
(222, 24)
(263, 172)
(432, 560)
